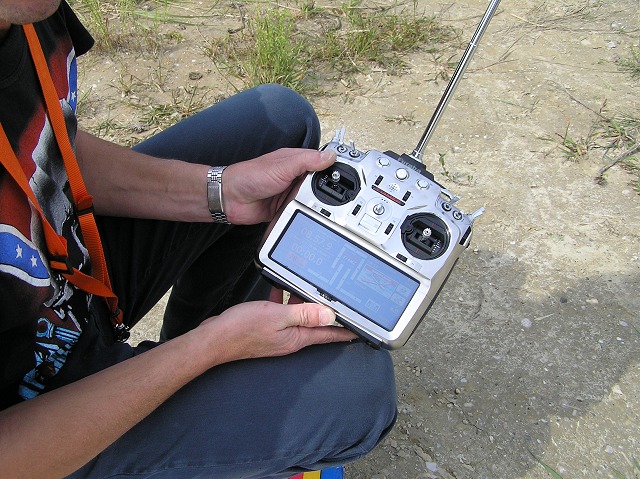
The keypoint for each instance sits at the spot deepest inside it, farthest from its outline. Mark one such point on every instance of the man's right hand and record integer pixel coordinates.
(264, 328)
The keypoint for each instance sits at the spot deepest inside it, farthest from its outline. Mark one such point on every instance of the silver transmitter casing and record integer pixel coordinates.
(373, 237)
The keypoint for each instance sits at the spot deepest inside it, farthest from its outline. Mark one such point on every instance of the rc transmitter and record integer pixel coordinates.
(374, 236)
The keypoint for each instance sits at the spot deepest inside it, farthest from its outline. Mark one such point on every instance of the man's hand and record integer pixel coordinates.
(252, 191)
(264, 328)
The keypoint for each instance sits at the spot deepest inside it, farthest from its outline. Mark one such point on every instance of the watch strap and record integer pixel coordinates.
(214, 194)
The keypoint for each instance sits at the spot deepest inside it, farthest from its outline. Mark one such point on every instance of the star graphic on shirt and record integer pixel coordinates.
(18, 252)
(34, 261)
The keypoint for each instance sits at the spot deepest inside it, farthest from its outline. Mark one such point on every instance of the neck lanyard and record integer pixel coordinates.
(99, 283)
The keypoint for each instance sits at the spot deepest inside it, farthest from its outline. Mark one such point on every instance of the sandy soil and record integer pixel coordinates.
(532, 349)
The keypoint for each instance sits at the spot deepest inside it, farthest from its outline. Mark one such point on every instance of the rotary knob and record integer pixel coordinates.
(402, 174)
(422, 184)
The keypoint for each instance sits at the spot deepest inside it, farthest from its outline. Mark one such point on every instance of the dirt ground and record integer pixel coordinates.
(532, 349)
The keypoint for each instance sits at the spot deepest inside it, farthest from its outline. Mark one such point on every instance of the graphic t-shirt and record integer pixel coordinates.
(41, 314)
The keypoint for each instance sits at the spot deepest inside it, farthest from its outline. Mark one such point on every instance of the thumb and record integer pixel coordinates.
(326, 159)
(310, 315)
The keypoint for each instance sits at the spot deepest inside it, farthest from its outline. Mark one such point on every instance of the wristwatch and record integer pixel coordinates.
(214, 194)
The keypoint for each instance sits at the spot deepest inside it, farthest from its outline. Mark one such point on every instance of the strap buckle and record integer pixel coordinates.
(85, 211)
(61, 264)
(84, 206)
(121, 332)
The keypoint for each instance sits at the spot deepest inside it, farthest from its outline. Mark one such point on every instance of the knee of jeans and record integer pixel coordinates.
(295, 114)
(383, 392)
(373, 402)
(285, 96)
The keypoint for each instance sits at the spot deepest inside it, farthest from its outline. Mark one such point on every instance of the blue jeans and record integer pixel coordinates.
(265, 418)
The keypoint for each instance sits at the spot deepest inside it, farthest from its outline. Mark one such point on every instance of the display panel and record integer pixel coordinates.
(345, 271)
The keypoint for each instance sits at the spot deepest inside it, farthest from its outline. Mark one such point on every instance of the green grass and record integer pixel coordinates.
(616, 136)
(621, 134)
(279, 40)
(99, 18)
(299, 46)
(278, 55)
(576, 149)
(631, 64)
(132, 24)
(380, 37)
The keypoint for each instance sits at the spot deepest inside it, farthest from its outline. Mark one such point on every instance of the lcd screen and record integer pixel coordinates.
(340, 268)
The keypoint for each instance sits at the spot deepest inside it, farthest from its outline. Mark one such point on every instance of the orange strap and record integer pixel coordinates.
(98, 284)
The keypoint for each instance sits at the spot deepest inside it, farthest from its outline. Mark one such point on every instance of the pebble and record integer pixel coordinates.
(526, 323)
(432, 467)
(616, 389)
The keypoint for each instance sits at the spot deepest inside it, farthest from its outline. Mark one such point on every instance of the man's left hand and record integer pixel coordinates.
(254, 190)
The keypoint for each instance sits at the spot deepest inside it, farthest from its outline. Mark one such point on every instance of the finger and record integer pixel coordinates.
(328, 334)
(276, 295)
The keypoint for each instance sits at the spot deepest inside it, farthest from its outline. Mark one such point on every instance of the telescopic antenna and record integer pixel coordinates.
(455, 79)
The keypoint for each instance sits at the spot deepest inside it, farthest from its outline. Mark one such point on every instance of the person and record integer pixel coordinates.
(236, 387)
